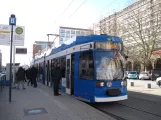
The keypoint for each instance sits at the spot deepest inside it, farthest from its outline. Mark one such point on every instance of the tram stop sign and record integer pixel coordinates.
(12, 20)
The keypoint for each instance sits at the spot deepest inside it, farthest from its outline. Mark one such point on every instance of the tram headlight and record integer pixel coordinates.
(123, 83)
(100, 84)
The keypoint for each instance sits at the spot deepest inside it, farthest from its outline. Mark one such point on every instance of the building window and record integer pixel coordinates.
(61, 39)
(67, 38)
(77, 32)
(86, 65)
(67, 32)
(72, 36)
(73, 32)
(62, 31)
(87, 33)
(67, 35)
(62, 35)
(82, 33)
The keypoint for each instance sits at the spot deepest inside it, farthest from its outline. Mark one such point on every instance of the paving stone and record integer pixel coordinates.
(63, 107)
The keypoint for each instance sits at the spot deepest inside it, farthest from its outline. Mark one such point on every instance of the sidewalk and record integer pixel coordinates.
(29, 103)
(140, 87)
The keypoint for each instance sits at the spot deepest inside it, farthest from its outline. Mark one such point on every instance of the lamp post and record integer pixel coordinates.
(51, 35)
(12, 22)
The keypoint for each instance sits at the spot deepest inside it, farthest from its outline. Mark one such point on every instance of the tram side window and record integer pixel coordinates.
(63, 65)
(86, 65)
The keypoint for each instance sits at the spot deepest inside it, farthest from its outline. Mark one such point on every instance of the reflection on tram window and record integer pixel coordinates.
(108, 68)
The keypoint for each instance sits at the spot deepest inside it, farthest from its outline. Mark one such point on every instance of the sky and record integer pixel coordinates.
(41, 17)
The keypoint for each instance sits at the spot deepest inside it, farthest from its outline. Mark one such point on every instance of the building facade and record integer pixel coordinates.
(66, 33)
(142, 16)
(38, 46)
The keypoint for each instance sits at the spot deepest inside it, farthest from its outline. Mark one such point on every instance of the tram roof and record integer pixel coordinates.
(77, 40)
(84, 39)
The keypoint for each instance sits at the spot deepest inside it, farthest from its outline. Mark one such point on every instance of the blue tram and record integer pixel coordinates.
(93, 68)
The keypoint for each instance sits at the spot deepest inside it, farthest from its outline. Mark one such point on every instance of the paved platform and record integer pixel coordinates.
(40, 104)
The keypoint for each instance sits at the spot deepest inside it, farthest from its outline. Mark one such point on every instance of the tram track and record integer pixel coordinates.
(150, 98)
(146, 100)
(110, 114)
(132, 109)
(126, 112)
(144, 105)
(141, 110)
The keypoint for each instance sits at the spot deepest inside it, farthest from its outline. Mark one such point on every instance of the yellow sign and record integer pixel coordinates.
(19, 30)
(3, 31)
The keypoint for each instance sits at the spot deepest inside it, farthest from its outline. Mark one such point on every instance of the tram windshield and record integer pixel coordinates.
(108, 65)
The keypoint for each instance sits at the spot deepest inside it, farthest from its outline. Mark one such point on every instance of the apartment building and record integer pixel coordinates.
(38, 46)
(142, 16)
(66, 33)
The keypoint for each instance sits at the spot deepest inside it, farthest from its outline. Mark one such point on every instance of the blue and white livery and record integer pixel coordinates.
(92, 68)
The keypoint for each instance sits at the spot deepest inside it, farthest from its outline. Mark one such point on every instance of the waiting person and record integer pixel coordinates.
(34, 72)
(20, 76)
(53, 66)
(57, 78)
(29, 76)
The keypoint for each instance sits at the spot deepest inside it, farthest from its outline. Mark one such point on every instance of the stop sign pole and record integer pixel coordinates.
(12, 22)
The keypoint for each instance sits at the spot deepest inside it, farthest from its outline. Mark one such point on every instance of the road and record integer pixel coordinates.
(142, 104)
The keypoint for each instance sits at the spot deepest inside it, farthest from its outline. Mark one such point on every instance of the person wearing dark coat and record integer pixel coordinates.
(29, 77)
(57, 78)
(34, 73)
(20, 75)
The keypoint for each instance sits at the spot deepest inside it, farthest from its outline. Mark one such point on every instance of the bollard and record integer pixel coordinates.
(132, 83)
(148, 85)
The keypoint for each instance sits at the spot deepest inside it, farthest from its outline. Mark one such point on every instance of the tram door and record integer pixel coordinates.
(47, 73)
(68, 74)
(46, 79)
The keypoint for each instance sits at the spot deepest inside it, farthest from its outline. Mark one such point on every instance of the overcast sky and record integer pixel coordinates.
(45, 16)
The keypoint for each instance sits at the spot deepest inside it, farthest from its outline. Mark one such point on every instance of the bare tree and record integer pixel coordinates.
(143, 33)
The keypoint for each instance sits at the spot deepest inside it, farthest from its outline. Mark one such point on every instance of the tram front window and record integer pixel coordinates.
(108, 66)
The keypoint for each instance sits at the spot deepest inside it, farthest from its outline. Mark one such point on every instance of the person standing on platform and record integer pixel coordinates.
(52, 74)
(34, 75)
(57, 78)
(20, 75)
(29, 77)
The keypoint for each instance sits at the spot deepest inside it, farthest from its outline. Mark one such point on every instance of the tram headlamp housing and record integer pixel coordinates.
(100, 84)
(124, 83)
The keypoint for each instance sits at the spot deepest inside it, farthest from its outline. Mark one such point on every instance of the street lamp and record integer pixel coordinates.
(12, 22)
(51, 35)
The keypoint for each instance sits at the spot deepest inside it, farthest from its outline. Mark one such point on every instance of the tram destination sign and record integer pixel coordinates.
(21, 50)
(18, 35)
(108, 45)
